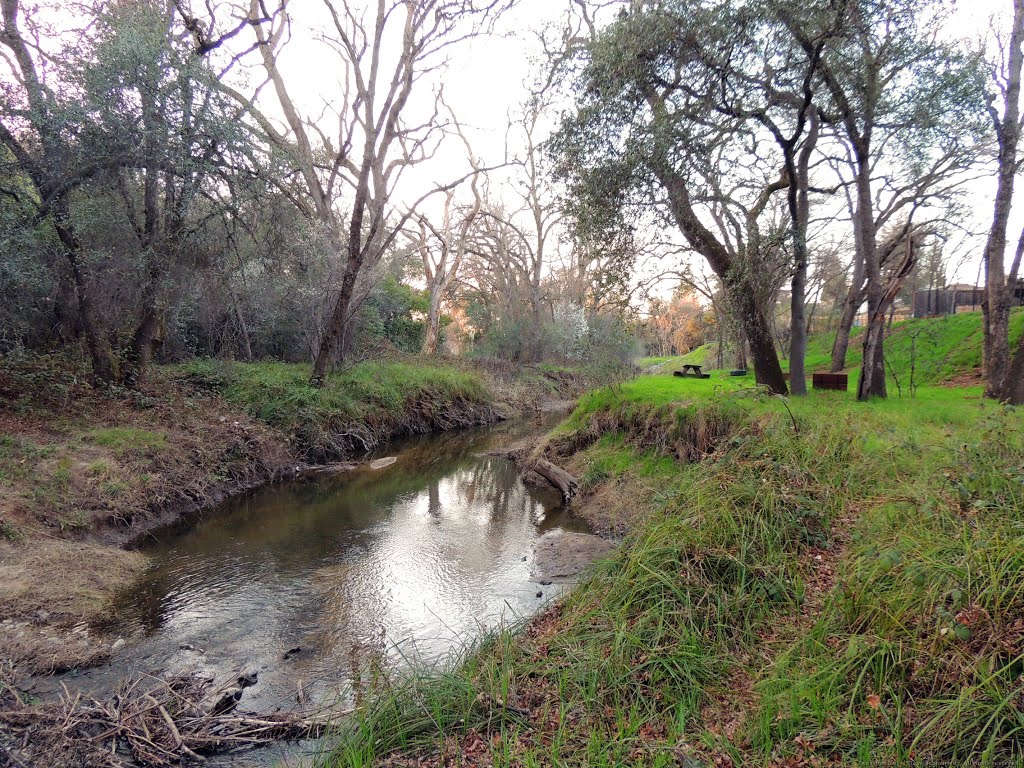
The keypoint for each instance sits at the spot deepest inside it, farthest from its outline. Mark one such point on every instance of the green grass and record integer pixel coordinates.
(940, 347)
(820, 581)
(697, 356)
(127, 439)
(356, 408)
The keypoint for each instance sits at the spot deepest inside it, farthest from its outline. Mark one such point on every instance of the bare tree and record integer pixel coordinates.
(357, 156)
(442, 250)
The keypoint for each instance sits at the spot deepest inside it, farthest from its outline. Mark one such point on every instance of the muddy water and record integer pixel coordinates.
(402, 562)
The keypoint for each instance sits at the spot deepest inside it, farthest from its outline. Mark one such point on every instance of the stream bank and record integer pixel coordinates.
(86, 472)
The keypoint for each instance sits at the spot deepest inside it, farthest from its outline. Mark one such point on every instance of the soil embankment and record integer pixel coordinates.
(84, 472)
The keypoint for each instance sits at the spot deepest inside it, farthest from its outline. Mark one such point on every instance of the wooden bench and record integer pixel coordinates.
(838, 381)
(692, 371)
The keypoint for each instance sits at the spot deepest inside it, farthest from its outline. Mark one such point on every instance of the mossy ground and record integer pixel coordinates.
(813, 581)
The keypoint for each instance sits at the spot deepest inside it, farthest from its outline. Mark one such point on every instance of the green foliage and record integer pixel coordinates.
(388, 313)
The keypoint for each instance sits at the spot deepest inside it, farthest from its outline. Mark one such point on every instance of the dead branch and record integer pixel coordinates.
(146, 722)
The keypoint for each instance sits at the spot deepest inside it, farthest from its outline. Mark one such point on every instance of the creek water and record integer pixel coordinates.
(401, 563)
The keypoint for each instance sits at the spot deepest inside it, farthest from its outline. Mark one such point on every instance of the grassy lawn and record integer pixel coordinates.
(817, 582)
(696, 356)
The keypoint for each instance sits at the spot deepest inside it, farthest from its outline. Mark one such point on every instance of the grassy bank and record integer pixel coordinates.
(356, 410)
(935, 350)
(940, 349)
(828, 583)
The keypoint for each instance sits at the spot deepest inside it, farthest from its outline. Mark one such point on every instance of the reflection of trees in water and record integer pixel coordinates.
(480, 521)
(351, 606)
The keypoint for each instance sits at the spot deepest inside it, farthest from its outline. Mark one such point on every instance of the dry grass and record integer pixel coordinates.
(53, 590)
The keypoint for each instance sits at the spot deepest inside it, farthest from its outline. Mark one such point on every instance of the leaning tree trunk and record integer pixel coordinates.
(854, 298)
(872, 371)
(335, 329)
(1013, 384)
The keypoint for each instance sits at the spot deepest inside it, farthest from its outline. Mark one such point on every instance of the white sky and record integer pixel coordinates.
(488, 79)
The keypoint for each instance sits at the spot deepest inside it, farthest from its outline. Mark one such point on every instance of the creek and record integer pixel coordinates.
(306, 582)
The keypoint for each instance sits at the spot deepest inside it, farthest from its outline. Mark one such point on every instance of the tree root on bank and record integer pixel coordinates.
(147, 722)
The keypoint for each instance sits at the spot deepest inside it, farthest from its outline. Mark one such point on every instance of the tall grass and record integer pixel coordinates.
(831, 583)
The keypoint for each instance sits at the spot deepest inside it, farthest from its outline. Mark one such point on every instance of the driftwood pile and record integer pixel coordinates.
(147, 722)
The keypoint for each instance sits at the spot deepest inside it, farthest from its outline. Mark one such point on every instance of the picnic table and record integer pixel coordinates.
(689, 369)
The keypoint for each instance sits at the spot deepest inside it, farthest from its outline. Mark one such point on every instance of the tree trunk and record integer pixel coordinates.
(558, 477)
(742, 294)
(996, 307)
(854, 298)
(103, 369)
(243, 327)
(872, 371)
(798, 331)
(1013, 383)
(740, 360)
(334, 332)
(433, 324)
(140, 349)
(767, 370)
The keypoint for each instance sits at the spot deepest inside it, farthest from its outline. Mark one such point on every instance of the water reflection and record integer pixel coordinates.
(409, 560)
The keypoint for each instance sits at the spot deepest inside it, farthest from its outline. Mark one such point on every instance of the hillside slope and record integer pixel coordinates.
(940, 349)
(937, 349)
